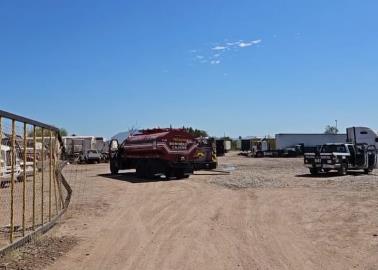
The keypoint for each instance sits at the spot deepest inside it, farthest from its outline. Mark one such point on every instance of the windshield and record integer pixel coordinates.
(333, 149)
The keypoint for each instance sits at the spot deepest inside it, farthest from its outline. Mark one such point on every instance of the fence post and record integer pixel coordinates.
(54, 171)
(34, 171)
(42, 172)
(50, 172)
(24, 184)
(1, 143)
(13, 160)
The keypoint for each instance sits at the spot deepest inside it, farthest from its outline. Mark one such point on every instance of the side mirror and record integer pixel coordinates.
(113, 146)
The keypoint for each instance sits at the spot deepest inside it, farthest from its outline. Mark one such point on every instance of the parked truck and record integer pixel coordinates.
(152, 152)
(359, 152)
(205, 157)
(342, 158)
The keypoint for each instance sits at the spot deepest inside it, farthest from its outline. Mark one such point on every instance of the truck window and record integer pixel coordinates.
(351, 150)
(363, 133)
(333, 149)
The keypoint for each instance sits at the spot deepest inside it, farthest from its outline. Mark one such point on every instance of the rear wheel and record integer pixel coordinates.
(114, 167)
(343, 170)
(314, 171)
(367, 171)
(140, 171)
(180, 174)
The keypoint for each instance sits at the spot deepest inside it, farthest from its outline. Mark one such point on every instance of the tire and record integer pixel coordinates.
(113, 167)
(343, 170)
(367, 171)
(140, 170)
(314, 171)
(180, 174)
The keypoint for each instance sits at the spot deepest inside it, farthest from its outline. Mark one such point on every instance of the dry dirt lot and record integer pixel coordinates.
(265, 214)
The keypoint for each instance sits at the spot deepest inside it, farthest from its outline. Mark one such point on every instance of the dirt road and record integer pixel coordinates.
(267, 214)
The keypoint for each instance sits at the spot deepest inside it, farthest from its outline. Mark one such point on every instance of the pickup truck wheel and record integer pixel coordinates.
(343, 170)
(314, 171)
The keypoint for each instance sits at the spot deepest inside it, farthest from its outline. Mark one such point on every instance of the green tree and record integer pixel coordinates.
(331, 130)
(63, 132)
(196, 132)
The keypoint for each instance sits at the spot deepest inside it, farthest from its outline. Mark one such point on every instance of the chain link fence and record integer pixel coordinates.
(33, 191)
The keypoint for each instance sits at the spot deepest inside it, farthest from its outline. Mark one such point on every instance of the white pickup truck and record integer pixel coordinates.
(6, 166)
(342, 158)
(91, 156)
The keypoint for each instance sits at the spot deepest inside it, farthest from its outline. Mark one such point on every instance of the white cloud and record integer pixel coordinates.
(247, 44)
(244, 44)
(219, 48)
(214, 55)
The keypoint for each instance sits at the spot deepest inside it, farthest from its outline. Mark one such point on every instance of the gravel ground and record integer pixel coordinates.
(284, 173)
(250, 214)
(38, 254)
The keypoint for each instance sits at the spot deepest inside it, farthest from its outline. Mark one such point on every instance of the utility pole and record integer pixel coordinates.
(336, 124)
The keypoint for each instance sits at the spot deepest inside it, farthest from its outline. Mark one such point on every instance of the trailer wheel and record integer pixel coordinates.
(314, 171)
(343, 170)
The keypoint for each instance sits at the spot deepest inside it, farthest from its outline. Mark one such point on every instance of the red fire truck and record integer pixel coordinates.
(152, 152)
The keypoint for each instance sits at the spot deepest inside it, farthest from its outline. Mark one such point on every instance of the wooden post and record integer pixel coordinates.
(50, 172)
(24, 183)
(42, 172)
(13, 161)
(34, 171)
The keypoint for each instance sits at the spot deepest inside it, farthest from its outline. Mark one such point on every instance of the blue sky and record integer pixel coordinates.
(234, 67)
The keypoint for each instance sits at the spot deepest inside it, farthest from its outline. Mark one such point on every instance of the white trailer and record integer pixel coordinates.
(227, 145)
(284, 141)
(79, 144)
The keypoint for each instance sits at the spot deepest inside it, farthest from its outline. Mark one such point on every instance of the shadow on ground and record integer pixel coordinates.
(132, 178)
(330, 175)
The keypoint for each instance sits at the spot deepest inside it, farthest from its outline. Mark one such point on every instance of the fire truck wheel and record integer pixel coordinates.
(113, 167)
(180, 174)
(142, 170)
